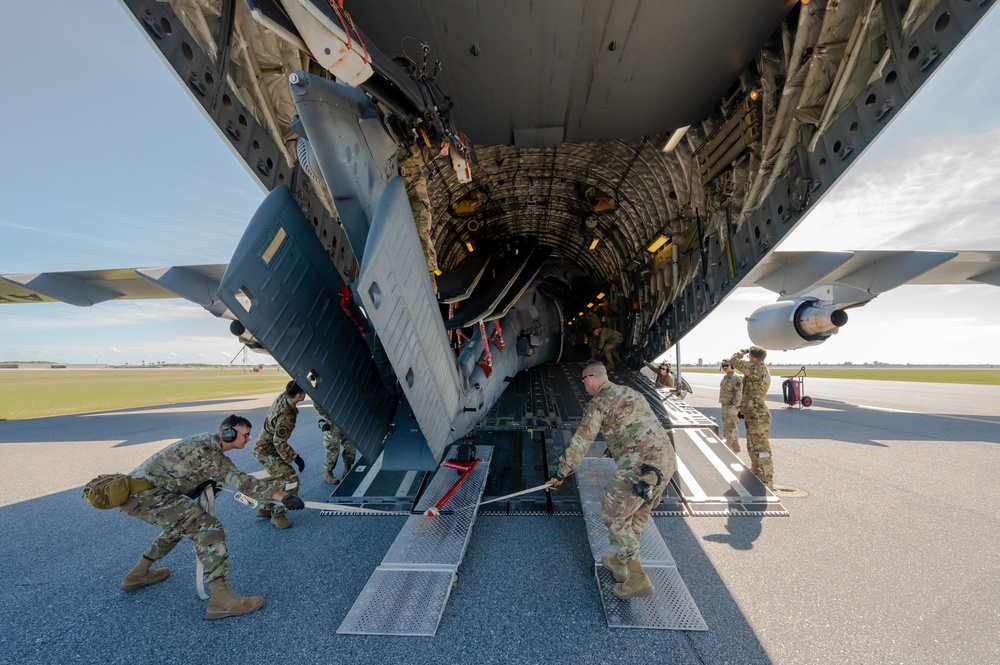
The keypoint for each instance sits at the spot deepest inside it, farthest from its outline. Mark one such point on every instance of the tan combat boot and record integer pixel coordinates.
(617, 568)
(330, 479)
(281, 522)
(224, 603)
(264, 512)
(637, 585)
(141, 575)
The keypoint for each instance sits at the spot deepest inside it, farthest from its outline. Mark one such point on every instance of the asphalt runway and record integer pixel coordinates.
(892, 557)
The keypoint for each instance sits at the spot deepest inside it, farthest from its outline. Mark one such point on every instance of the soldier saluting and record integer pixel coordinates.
(756, 416)
(646, 462)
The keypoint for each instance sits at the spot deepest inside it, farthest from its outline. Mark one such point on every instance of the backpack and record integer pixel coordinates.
(110, 490)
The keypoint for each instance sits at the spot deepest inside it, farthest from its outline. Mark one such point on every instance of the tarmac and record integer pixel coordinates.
(891, 557)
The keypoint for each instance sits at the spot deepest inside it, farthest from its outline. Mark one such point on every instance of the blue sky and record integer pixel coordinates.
(110, 164)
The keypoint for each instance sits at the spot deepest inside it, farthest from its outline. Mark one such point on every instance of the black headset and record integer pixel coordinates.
(229, 428)
(643, 489)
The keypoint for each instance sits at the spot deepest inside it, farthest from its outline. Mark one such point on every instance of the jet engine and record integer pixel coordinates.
(794, 324)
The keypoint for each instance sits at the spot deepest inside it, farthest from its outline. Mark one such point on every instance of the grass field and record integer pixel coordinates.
(986, 376)
(32, 393)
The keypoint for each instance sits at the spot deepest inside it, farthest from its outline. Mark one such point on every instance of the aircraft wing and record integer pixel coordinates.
(816, 288)
(84, 288)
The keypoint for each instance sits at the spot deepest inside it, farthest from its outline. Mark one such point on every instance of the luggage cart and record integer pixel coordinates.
(793, 390)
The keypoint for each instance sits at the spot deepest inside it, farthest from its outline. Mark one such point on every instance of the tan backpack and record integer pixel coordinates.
(110, 490)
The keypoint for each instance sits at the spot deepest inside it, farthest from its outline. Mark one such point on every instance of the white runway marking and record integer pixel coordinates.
(882, 408)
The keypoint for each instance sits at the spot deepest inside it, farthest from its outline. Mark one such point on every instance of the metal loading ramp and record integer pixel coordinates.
(671, 607)
(407, 593)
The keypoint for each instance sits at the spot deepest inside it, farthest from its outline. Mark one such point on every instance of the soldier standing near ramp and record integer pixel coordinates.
(333, 439)
(608, 341)
(664, 377)
(273, 451)
(183, 469)
(411, 168)
(645, 457)
(730, 394)
(756, 416)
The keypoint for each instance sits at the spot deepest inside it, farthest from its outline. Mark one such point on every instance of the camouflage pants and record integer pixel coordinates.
(759, 446)
(610, 354)
(181, 518)
(283, 475)
(625, 514)
(730, 427)
(332, 441)
(411, 168)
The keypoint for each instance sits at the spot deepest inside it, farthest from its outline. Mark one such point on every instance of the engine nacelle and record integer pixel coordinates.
(794, 324)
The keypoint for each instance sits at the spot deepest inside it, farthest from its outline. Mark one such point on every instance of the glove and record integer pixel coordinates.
(301, 463)
(553, 483)
(739, 414)
(743, 352)
(293, 502)
(324, 425)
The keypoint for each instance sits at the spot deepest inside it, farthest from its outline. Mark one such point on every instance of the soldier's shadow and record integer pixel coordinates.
(743, 529)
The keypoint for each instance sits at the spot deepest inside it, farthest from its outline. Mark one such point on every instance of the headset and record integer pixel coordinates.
(229, 428)
(643, 489)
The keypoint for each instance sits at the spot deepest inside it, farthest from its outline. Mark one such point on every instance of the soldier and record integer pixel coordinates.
(664, 378)
(608, 340)
(411, 168)
(591, 322)
(730, 394)
(646, 462)
(756, 417)
(333, 438)
(184, 468)
(275, 454)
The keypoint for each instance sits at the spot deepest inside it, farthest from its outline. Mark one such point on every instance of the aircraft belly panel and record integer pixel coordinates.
(395, 290)
(291, 288)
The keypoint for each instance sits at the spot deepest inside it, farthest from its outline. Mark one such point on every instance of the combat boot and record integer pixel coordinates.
(224, 603)
(141, 575)
(330, 479)
(617, 568)
(281, 522)
(637, 585)
(264, 512)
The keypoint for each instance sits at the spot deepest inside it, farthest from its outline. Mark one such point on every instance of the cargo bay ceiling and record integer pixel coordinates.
(569, 106)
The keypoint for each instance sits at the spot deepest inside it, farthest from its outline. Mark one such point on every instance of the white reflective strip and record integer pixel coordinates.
(404, 487)
(697, 493)
(720, 466)
(369, 477)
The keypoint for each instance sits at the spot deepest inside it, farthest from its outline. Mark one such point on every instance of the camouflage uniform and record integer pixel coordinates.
(591, 322)
(730, 394)
(608, 341)
(634, 437)
(333, 439)
(175, 471)
(757, 418)
(662, 380)
(272, 449)
(411, 168)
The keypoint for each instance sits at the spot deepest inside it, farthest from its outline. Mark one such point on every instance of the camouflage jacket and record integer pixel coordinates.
(662, 380)
(608, 336)
(411, 168)
(590, 322)
(278, 426)
(632, 431)
(756, 381)
(731, 390)
(182, 466)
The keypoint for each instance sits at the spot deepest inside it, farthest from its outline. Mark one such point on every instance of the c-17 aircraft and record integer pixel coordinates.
(637, 158)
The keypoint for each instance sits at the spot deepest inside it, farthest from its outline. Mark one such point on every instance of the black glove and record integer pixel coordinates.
(739, 414)
(293, 502)
(324, 425)
(301, 463)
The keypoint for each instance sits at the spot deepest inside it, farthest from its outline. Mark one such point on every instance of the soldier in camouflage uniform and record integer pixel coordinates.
(608, 341)
(275, 454)
(591, 322)
(756, 417)
(411, 168)
(664, 378)
(182, 470)
(333, 439)
(638, 444)
(730, 394)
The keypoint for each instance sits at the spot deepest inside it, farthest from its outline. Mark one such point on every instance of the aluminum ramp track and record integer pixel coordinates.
(713, 480)
(407, 593)
(671, 607)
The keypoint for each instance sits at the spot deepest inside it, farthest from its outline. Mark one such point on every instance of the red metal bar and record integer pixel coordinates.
(467, 469)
